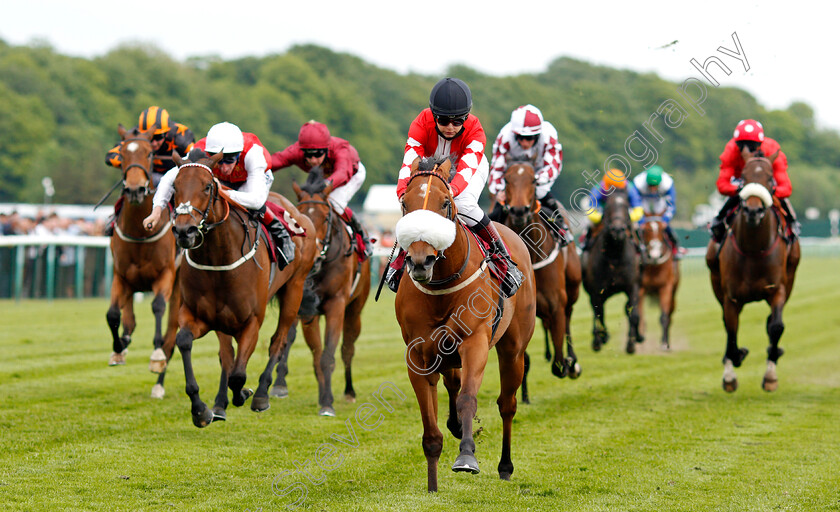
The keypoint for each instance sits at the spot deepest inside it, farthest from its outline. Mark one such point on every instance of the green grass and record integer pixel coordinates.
(648, 432)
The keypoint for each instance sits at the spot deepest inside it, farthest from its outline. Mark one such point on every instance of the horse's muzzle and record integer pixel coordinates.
(755, 214)
(135, 195)
(618, 233)
(421, 272)
(185, 236)
(519, 216)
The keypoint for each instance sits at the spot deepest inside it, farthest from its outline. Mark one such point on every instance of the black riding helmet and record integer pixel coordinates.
(450, 97)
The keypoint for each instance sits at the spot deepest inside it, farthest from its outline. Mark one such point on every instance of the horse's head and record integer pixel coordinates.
(520, 191)
(137, 155)
(759, 185)
(313, 202)
(617, 215)
(653, 238)
(428, 224)
(196, 191)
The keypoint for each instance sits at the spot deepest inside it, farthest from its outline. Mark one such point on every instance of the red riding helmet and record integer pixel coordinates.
(526, 120)
(314, 135)
(749, 129)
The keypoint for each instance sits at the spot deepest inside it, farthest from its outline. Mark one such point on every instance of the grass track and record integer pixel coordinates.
(648, 432)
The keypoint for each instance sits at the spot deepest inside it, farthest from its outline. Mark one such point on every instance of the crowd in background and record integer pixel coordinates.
(48, 224)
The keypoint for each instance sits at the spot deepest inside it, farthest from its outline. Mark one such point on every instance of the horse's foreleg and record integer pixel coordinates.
(526, 398)
(511, 370)
(226, 355)
(119, 297)
(352, 328)
(425, 389)
(555, 321)
(599, 328)
(312, 335)
(734, 355)
(631, 309)
(473, 354)
(201, 415)
(280, 388)
(290, 304)
(775, 328)
(666, 305)
(452, 382)
(246, 342)
(334, 314)
(160, 357)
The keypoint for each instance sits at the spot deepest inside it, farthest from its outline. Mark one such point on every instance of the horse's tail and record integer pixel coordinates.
(311, 302)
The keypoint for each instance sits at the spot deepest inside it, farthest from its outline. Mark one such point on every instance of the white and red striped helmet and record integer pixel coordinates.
(749, 129)
(526, 120)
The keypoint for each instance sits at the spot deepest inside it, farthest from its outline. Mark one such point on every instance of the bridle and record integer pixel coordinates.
(187, 209)
(327, 241)
(145, 168)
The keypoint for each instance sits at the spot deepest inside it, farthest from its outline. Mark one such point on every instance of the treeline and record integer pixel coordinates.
(59, 115)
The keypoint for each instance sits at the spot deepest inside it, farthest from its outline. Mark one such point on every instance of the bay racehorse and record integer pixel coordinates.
(226, 282)
(660, 274)
(611, 266)
(451, 314)
(142, 261)
(755, 262)
(555, 261)
(342, 285)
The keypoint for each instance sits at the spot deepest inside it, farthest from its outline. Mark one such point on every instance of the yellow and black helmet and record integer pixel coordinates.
(154, 117)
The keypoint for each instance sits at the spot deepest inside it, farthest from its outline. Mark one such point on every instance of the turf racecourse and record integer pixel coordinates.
(648, 432)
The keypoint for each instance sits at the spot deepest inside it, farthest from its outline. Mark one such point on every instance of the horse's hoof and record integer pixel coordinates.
(350, 399)
(769, 384)
(327, 411)
(279, 392)
(631, 347)
(504, 475)
(596, 345)
(203, 418)
(126, 341)
(730, 386)
(260, 404)
(665, 347)
(526, 400)
(219, 414)
(465, 463)
(117, 359)
(244, 395)
(158, 391)
(576, 370)
(558, 369)
(157, 363)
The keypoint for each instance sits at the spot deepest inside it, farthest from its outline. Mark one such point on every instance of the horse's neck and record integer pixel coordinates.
(226, 241)
(546, 243)
(456, 254)
(756, 238)
(131, 216)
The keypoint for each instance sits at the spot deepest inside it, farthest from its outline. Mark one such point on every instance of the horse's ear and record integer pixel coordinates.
(327, 189)
(775, 155)
(414, 165)
(298, 190)
(444, 168)
(121, 130)
(215, 158)
(177, 159)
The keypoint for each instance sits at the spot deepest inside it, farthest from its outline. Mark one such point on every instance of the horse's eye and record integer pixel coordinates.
(208, 187)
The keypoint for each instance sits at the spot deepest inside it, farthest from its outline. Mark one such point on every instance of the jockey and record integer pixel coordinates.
(613, 179)
(342, 169)
(747, 141)
(245, 169)
(659, 198)
(167, 136)
(528, 135)
(447, 128)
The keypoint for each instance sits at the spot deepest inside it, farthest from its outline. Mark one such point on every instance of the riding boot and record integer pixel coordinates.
(285, 246)
(358, 232)
(587, 240)
(790, 216)
(108, 230)
(718, 225)
(551, 212)
(510, 276)
(395, 271)
(499, 213)
(675, 248)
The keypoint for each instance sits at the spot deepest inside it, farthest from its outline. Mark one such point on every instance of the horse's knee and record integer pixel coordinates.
(184, 339)
(236, 381)
(113, 316)
(466, 404)
(159, 305)
(775, 328)
(433, 445)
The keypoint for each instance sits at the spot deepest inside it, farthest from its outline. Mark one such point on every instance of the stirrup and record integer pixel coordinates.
(392, 278)
(512, 280)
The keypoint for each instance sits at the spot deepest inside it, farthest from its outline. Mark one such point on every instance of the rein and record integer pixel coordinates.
(188, 209)
(145, 240)
(146, 169)
(322, 256)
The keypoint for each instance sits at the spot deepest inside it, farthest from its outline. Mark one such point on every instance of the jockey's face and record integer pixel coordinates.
(526, 142)
(449, 130)
(226, 168)
(157, 141)
(315, 161)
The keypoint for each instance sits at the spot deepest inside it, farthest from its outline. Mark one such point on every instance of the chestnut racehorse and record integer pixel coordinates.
(753, 263)
(142, 261)
(451, 314)
(556, 266)
(226, 282)
(342, 285)
(611, 266)
(660, 274)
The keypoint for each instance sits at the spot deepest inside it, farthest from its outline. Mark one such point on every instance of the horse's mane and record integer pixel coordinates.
(196, 154)
(518, 159)
(315, 181)
(428, 163)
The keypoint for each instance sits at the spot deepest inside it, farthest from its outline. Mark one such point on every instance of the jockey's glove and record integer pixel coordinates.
(595, 216)
(636, 214)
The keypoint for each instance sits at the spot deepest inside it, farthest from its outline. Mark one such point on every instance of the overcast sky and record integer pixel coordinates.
(782, 41)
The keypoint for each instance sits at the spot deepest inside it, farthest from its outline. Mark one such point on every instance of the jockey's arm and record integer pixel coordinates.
(254, 192)
(670, 205)
(161, 199)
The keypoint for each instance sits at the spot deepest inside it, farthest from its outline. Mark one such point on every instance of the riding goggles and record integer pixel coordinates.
(749, 144)
(527, 137)
(447, 120)
(229, 158)
(314, 153)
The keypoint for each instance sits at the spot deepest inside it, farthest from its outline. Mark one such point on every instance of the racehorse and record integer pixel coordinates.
(660, 274)
(451, 314)
(556, 265)
(612, 266)
(754, 263)
(142, 262)
(227, 281)
(342, 285)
